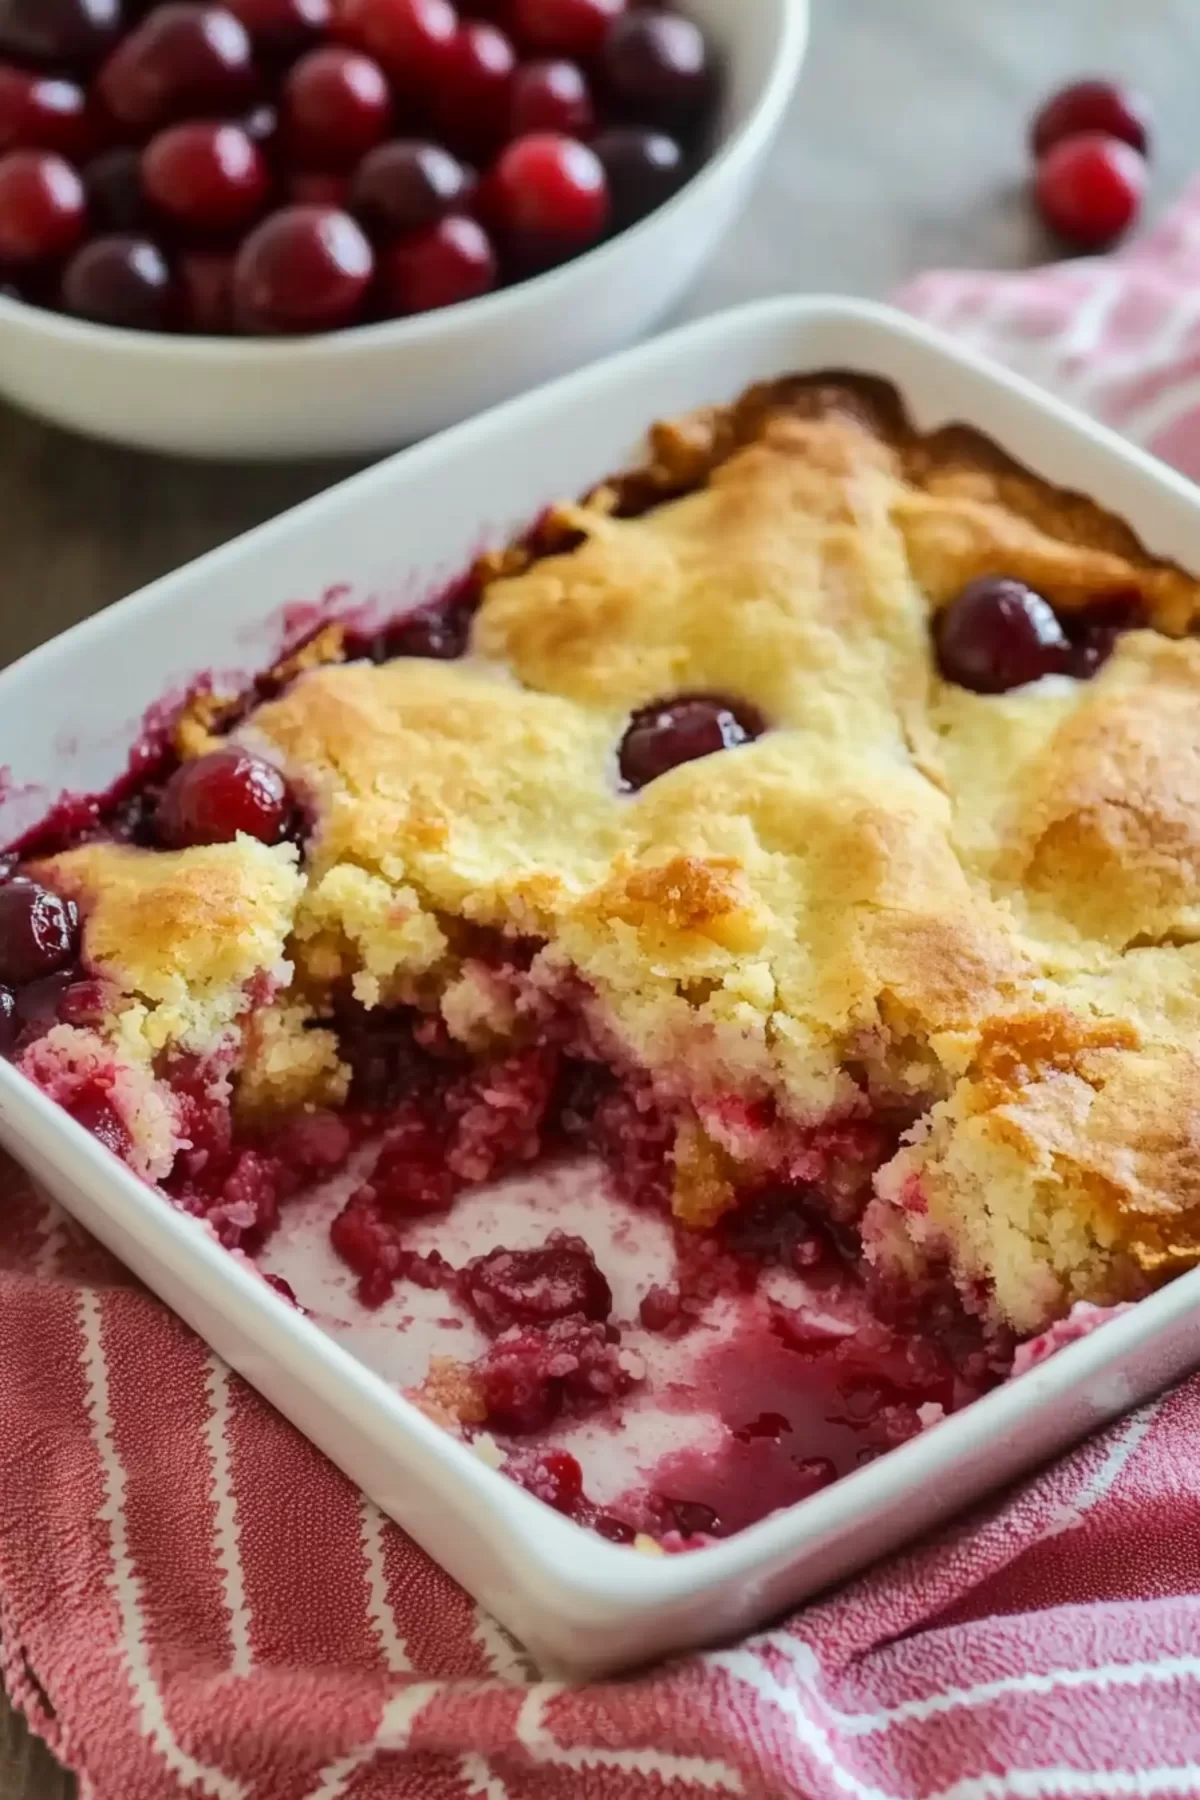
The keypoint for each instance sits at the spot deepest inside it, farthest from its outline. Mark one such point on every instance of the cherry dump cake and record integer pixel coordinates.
(806, 825)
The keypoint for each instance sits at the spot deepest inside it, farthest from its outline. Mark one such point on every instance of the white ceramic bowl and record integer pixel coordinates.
(379, 386)
(68, 714)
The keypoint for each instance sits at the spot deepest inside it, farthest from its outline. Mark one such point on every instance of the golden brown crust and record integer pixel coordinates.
(990, 899)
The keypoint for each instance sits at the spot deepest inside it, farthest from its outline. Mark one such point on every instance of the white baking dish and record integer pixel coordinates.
(67, 715)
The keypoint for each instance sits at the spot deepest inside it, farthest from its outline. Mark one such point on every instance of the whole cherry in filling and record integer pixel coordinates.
(670, 732)
(39, 932)
(999, 634)
(211, 800)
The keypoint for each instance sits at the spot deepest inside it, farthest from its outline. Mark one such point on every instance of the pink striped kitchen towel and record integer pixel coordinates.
(193, 1603)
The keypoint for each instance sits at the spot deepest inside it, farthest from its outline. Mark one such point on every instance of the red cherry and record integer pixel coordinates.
(205, 292)
(1090, 189)
(336, 107)
(283, 27)
(447, 262)
(42, 112)
(669, 732)
(473, 96)
(206, 177)
(551, 96)
(644, 168)
(119, 280)
(659, 67)
(407, 185)
(113, 183)
(549, 197)
(999, 634)
(215, 798)
(566, 27)
(55, 32)
(409, 37)
(39, 932)
(43, 209)
(182, 59)
(1106, 106)
(306, 268)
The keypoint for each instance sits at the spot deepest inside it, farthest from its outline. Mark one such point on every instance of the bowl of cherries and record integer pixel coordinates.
(300, 227)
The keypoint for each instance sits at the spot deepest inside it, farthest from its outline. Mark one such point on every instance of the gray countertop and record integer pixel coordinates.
(904, 150)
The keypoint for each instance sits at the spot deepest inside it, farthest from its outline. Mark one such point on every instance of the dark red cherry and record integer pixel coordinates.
(999, 634)
(548, 197)
(658, 67)
(306, 268)
(409, 37)
(565, 27)
(670, 732)
(283, 27)
(115, 196)
(218, 796)
(336, 107)
(42, 112)
(439, 632)
(206, 177)
(644, 168)
(551, 96)
(446, 263)
(183, 60)
(472, 98)
(120, 280)
(1094, 630)
(1090, 188)
(57, 32)
(407, 185)
(39, 933)
(1108, 106)
(43, 208)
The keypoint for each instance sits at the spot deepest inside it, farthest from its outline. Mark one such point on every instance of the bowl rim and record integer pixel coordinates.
(742, 144)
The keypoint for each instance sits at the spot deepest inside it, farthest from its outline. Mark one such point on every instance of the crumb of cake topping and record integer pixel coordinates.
(78, 1068)
(197, 728)
(288, 1063)
(705, 1181)
(370, 931)
(183, 931)
(681, 896)
(450, 1395)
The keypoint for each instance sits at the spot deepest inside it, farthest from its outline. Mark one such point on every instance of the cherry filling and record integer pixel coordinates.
(999, 634)
(669, 732)
(39, 932)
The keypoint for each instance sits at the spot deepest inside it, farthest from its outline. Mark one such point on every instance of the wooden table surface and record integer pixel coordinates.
(904, 150)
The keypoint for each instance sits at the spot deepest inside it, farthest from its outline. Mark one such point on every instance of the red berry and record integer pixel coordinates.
(1090, 189)
(999, 634)
(409, 37)
(116, 200)
(1106, 106)
(551, 96)
(534, 1287)
(283, 27)
(566, 27)
(42, 112)
(54, 32)
(549, 197)
(644, 168)
(306, 268)
(183, 59)
(39, 932)
(119, 280)
(473, 96)
(336, 107)
(205, 292)
(659, 67)
(447, 262)
(206, 177)
(215, 798)
(407, 185)
(669, 732)
(43, 209)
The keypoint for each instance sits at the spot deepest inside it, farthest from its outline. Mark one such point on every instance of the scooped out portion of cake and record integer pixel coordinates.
(806, 823)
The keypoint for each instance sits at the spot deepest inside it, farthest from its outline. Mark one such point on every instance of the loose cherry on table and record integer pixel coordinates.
(212, 799)
(1106, 106)
(1090, 189)
(670, 732)
(120, 280)
(447, 262)
(305, 268)
(43, 208)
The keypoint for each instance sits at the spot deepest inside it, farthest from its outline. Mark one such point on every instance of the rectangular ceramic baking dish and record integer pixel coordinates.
(70, 711)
